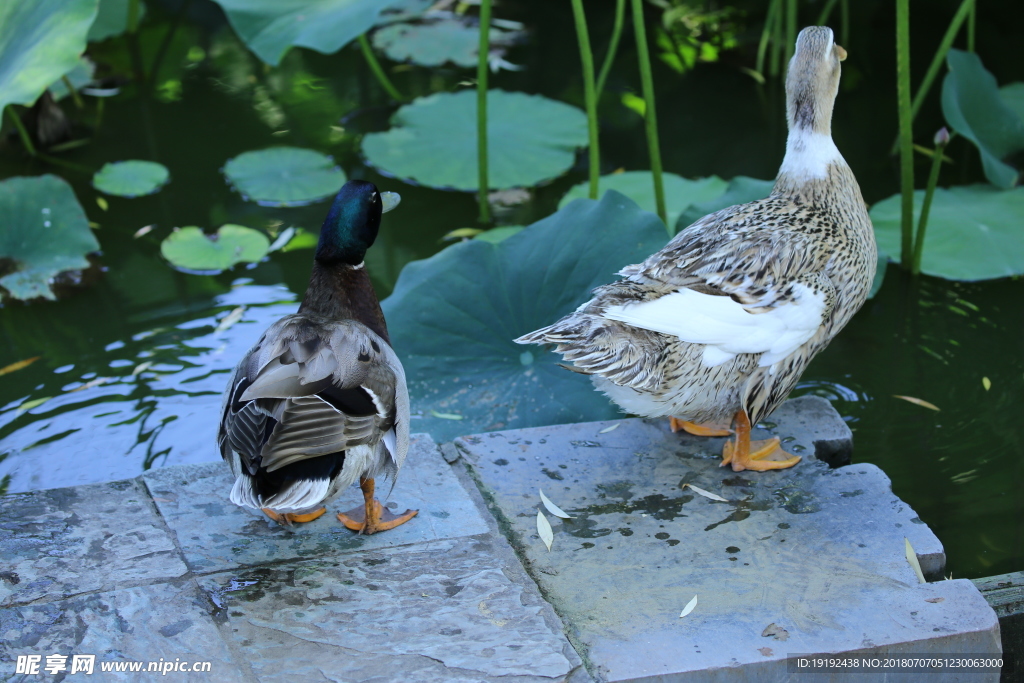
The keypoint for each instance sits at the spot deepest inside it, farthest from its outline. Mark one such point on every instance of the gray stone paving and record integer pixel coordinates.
(812, 555)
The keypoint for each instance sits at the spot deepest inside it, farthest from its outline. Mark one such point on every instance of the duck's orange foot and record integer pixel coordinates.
(380, 518)
(760, 456)
(289, 518)
(708, 429)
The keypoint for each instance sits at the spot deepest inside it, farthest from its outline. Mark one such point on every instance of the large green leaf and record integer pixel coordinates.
(740, 191)
(190, 250)
(975, 108)
(974, 232)
(271, 27)
(112, 19)
(680, 193)
(40, 41)
(1013, 97)
(284, 176)
(434, 43)
(453, 317)
(43, 232)
(433, 140)
(131, 178)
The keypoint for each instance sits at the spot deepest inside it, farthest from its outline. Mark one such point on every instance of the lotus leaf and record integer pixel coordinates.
(453, 317)
(131, 178)
(44, 232)
(680, 193)
(975, 108)
(191, 250)
(40, 41)
(271, 27)
(530, 139)
(80, 76)
(495, 235)
(284, 176)
(435, 42)
(1013, 97)
(741, 190)
(974, 232)
(112, 19)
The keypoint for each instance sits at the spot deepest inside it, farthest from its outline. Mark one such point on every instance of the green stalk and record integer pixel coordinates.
(906, 130)
(966, 9)
(971, 21)
(587, 58)
(778, 43)
(790, 29)
(613, 46)
(378, 70)
(71, 91)
(826, 12)
(650, 118)
(766, 33)
(481, 108)
(22, 133)
(154, 71)
(844, 14)
(941, 140)
(133, 15)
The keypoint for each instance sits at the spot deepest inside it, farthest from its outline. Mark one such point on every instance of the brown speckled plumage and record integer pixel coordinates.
(813, 230)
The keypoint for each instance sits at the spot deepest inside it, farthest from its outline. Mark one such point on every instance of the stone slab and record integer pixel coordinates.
(62, 542)
(216, 535)
(819, 553)
(169, 621)
(440, 611)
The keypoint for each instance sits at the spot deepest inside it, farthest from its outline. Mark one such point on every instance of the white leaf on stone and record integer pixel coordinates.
(707, 494)
(689, 607)
(610, 429)
(912, 559)
(544, 529)
(552, 508)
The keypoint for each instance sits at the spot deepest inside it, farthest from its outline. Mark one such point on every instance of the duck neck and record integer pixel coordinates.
(338, 291)
(811, 155)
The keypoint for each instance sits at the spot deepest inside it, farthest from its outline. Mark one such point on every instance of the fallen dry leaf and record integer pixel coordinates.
(766, 651)
(544, 529)
(141, 367)
(689, 607)
(446, 416)
(775, 630)
(90, 384)
(706, 494)
(934, 599)
(143, 231)
(552, 508)
(610, 429)
(230, 319)
(912, 559)
(20, 365)
(918, 402)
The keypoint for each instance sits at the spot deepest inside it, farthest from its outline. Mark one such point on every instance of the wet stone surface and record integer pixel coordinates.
(804, 560)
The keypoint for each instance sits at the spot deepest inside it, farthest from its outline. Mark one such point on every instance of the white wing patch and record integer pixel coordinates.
(725, 326)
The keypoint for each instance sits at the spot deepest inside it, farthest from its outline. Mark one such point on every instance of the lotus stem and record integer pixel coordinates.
(22, 133)
(972, 19)
(790, 29)
(826, 12)
(613, 46)
(906, 130)
(587, 58)
(941, 140)
(154, 71)
(766, 34)
(378, 70)
(650, 117)
(844, 15)
(966, 10)
(778, 42)
(481, 109)
(71, 91)
(133, 16)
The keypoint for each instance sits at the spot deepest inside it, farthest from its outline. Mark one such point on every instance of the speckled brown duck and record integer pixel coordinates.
(718, 326)
(321, 400)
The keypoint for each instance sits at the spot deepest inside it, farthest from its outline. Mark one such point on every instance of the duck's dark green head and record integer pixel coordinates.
(352, 223)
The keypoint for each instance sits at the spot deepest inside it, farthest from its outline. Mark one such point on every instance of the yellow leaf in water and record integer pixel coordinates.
(143, 231)
(90, 384)
(986, 382)
(706, 494)
(689, 607)
(610, 429)
(102, 203)
(20, 365)
(141, 367)
(446, 416)
(29, 405)
(230, 319)
(544, 529)
(462, 233)
(552, 508)
(912, 559)
(918, 402)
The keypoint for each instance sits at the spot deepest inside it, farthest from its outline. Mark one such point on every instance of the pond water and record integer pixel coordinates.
(131, 366)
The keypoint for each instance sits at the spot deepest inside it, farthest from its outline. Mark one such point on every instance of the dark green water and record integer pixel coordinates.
(142, 338)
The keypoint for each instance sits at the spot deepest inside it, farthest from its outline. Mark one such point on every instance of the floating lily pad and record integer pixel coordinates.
(131, 178)
(112, 19)
(741, 190)
(974, 232)
(433, 140)
(191, 250)
(453, 317)
(680, 193)
(43, 232)
(284, 176)
(975, 108)
(271, 27)
(452, 40)
(40, 41)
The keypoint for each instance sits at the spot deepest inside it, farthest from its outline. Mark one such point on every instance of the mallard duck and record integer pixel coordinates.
(321, 400)
(718, 326)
